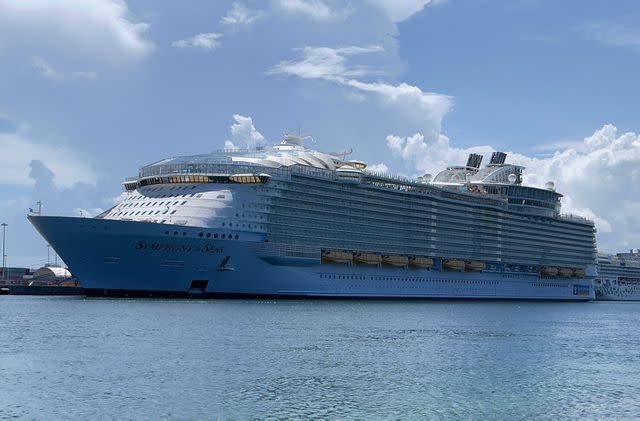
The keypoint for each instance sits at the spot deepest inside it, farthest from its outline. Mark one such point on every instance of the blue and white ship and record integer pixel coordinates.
(286, 220)
(618, 276)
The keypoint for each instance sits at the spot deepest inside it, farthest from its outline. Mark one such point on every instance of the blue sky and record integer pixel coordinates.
(92, 89)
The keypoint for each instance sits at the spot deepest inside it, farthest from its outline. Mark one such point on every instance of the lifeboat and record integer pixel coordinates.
(475, 266)
(579, 273)
(420, 262)
(566, 272)
(336, 256)
(549, 271)
(367, 258)
(454, 264)
(395, 260)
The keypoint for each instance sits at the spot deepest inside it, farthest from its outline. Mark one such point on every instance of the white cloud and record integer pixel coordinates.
(18, 152)
(599, 177)
(326, 63)
(243, 132)
(241, 15)
(316, 9)
(399, 10)
(94, 27)
(208, 41)
(47, 71)
(379, 168)
(330, 64)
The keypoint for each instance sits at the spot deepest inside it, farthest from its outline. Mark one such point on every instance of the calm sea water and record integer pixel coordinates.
(72, 357)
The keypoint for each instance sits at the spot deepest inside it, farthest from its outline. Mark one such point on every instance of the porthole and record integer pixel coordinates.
(215, 235)
(175, 233)
(200, 234)
(223, 236)
(236, 236)
(166, 232)
(208, 235)
(184, 233)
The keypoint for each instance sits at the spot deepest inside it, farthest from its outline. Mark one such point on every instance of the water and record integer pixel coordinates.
(73, 357)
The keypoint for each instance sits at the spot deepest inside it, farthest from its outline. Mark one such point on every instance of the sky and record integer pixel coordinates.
(90, 90)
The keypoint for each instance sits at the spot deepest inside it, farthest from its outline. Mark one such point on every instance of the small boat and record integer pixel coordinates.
(565, 272)
(454, 264)
(420, 261)
(549, 271)
(336, 256)
(367, 258)
(579, 273)
(473, 266)
(395, 260)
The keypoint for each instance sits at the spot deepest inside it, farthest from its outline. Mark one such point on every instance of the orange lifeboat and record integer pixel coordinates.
(579, 273)
(396, 260)
(367, 258)
(336, 256)
(473, 266)
(565, 272)
(420, 261)
(549, 271)
(454, 264)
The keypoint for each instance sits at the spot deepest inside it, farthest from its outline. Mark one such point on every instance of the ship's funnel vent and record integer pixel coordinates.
(498, 158)
(474, 160)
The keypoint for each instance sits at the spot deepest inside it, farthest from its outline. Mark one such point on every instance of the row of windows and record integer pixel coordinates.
(398, 278)
(548, 284)
(147, 204)
(208, 235)
(141, 213)
(169, 188)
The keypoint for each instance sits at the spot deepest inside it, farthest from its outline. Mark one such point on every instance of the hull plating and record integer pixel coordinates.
(131, 258)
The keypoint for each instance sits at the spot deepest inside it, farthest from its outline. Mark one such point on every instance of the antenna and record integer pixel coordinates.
(342, 154)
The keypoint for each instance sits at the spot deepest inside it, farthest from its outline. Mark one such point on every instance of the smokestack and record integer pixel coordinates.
(498, 158)
(474, 160)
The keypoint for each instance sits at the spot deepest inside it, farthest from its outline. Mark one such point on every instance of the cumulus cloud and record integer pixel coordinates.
(25, 162)
(319, 10)
(379, 168)
(330, 64)
(94, 27)
(241, 15)
(244, 133)
(399, 10)
(208, 41)
(49, 72)
(599, 177)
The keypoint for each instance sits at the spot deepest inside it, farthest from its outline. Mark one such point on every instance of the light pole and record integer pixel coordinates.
(4, 256)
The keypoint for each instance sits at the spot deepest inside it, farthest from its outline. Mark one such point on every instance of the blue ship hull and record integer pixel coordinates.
(126, 258)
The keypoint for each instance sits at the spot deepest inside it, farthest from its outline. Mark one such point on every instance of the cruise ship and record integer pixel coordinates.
(618, 276)
(288, 221)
